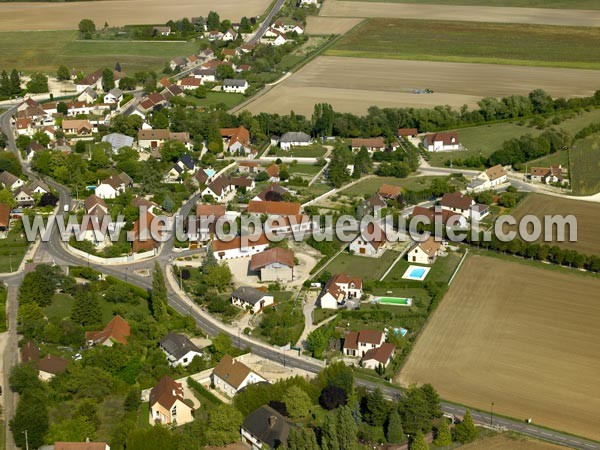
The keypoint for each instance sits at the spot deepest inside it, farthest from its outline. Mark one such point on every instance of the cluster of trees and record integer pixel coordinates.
(339, 171)
(87, 28)
(528, 147)
(38, 83)
(588, 131)
(10, 84)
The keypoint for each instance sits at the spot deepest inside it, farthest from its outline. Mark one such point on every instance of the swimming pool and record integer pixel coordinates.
(416, 273)
(397, 301)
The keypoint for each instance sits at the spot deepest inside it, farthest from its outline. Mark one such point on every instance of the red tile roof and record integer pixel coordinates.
(253, 241)
(117, 330)
(381, 354)
(166, 393)
(271, 256)
(274, 208)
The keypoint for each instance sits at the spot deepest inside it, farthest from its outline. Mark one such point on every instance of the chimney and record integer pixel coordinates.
(174, 393)
(272, 421)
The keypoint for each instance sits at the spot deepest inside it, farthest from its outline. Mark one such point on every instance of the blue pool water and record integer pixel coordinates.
(417, 272)
(210, 172)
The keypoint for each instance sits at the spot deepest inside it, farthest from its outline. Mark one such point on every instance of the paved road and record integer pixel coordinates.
(264, 26)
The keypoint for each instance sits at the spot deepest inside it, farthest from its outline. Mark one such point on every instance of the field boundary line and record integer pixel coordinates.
(458, 267)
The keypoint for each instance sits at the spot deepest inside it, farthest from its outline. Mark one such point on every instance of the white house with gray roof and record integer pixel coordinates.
(237, 86)
(294, 139)
(179, 349)
(249, 298)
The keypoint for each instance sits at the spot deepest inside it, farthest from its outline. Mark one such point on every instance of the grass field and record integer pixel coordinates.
(46, 50)
(311, 151)
(559, 4)
(12, 250)
(355, 84)
(585, 166)
(371, 185)
(229, 99)
(587, 213)
(502, 335)
(362, 266)
(63, 16)
(471, 42)
(510, 442)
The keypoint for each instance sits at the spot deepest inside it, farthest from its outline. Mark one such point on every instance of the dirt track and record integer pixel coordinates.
(467, 13)
(355, 84)
(65, 16)
(526, 338)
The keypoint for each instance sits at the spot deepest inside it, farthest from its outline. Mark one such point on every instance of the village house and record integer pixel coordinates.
(117, 141)
(442, 142)
(10, 182)
(220, 189)
(184, 165)
(265, 427)
(248, 167)
(426, 252)
(380, 357)
(274, 264)
(488, 179)
(371, 206)
(190, 83)
(274, 37)
(48, 367)
(251, 299)
(161, 31)
(155, 138)
(246, 184)
(95, 206)
(229, 36)
(547, 175)
(79, 127)
(38, 187)
(457, 202)
(444, 216)
(205, 75)
(272, 208)
(201, 227)
(32, 148)
(358, 343)
(273, 173)
(88, 96)
(230, 376)
(24, 197)
(167, 404)
(237, 249)
(113, 186)
(114, 96)
(371, 144)
(370, 242)
(294, 139)
(389, 192)
(338, 289)
(272, 193)
(177, 63)
(236, 140)
(92, 81)
(235, 85)
(24, 126)
(179, 349)
(91, 231)
(142, 238)
(408, 133)
(115, 332)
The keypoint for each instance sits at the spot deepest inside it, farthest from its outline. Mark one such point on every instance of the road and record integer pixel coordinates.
(212, 326)
(264, 26)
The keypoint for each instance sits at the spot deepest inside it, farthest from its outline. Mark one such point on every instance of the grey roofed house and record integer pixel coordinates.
(118, 140)
(268, 426)
(187, 161)
(178, 345)
(295, 136)
(234, 82)
(248, 294)
(115, 92)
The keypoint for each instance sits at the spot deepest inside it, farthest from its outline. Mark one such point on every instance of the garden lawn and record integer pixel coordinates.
(12, 250)
(216, 98)
(311, 151)
(370, 186)
(362, 266)
(473, 42)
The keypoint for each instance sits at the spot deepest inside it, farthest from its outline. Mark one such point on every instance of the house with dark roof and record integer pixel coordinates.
(407, 132)
(266, 427)
(338, 289)
(358, 343)
(231, 375)
(235, 85)
(167, 404)
(370, 207)
(371, 144)
(184, 165)
(380, 357)
(220, 189)
(10, 182)
(179, 349)
(116, 331)
(251, 299)
(49, 366)
(113, 186)
(371, 241)
(442, 142)
(274, 208)
(93, 204)
(24, 197)
(457, 202)
(547, 175)
(274, 264)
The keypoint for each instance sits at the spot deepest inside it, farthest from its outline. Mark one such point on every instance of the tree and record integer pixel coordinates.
(127, 84)
(465, 431)
(31, 415)
(62, 108)
(38, 83)
(86, 309)
(108, 79)
(329, 434)
(375, 408)
(5, 88)
(245, 25)
(419, 442)
(153, 437)
(31, 321)
(63, 73)
(7, 198)
(302, 439)
(171, 151)
(443, 437)
(414, 411)
(224, 71)
(15, 83)
(316, 342)
(221, 345)
(87, 26)
(24, 377)
(159, 294)
(297, 402)
(213, 21)
(39, 286)
(433, 400)
(223, 426)
(395, 433)
(346, 428)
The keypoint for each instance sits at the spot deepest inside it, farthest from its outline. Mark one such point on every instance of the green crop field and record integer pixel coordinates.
(473, 42)
(585, 166)
(46, 50)
(555, 4)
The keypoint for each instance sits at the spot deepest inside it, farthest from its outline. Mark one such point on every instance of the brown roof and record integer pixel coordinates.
(166, 393)
(333, 288)
(374, 235)
(273, 193)
(162, 135)
(456, 200)
(274, 208)
(90, 79)
(380, 354)
(270, 256)
(249, 164)
(210, 210)
(236, 242)
(52, 364)
(495, 172)
(405, 132)
(431, 214)
(78, 124)
(241, 181)
(30, 352)
(117, 329)
(93, 201)
(138, 202)
(370, 336)
(273, 170)
(114, 181)
(156, 98)
(447, 137)
(239, 134)
(377, 142)
(231, 371)
(218, 185)
(191, 81)
(80, 446)
(351, 341)
(539, 171)
(4, 215)
(430, 246)
(389, 191)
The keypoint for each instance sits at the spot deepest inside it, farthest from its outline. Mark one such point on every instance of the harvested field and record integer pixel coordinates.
(330, 25)
(65, 16)
(587, 214)
(560, 4)
(532, 348)
(471, 42)
(334, 8)
(504, 442)
(355, 84)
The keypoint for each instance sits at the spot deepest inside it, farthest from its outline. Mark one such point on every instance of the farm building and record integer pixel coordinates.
(274, 264)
